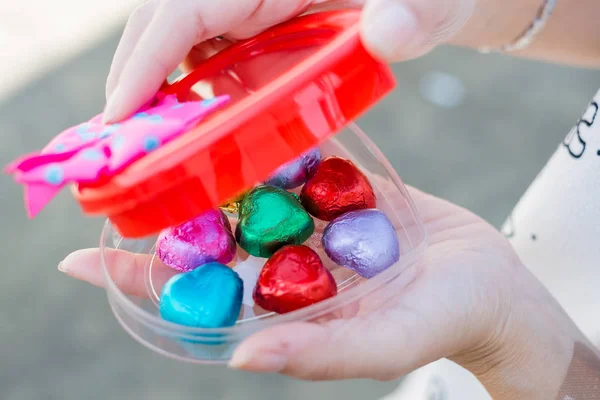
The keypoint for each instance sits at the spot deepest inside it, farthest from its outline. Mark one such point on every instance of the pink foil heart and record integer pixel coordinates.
(90, 151)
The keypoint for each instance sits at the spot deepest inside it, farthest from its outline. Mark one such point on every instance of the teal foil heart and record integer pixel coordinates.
(210, 296)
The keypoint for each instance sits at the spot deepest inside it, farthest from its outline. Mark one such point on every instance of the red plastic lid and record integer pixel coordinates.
(291, 88)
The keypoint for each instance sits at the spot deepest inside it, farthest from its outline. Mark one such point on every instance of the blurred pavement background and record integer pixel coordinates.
(470, 128)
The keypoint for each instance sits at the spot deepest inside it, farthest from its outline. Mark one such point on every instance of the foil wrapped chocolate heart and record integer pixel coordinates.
(297, 172)
(270, 218)
(204, 239)
(208, 297)
(364, 241)
(293, 278)
(337, 187)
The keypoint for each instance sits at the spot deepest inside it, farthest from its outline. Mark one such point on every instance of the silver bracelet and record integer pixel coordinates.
(531, 32)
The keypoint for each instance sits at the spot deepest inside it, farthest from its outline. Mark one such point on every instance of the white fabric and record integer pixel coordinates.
(442, 380)
(555, 229)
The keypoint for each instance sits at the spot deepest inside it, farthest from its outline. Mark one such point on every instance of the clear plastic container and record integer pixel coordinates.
(138, 312)
(293, 88)
(205, 145)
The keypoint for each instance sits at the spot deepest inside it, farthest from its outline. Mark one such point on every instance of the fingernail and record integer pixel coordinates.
(111, 109)
(391, 30)
(258, 361)
(61, 267)
(110, 86)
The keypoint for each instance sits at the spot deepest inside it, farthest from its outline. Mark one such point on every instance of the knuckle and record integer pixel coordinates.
(186, 14)
(451, 19)
(141, 12)
(179, 7)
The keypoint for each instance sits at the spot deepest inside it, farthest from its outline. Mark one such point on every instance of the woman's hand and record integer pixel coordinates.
(471, 301)
(161, 34)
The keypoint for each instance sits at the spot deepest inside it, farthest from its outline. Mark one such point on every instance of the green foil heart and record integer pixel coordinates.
(270, 218)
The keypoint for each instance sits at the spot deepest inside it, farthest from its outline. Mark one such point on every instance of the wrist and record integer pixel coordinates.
(495, 23)
(527, 354)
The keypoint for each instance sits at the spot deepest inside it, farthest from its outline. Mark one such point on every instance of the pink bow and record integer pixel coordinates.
(93, 150)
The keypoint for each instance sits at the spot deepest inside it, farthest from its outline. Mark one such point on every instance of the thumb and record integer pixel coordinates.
(398, 30)
(337, 349)
(343, 349)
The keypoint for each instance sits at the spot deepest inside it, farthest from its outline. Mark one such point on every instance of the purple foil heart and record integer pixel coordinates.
(364, 241)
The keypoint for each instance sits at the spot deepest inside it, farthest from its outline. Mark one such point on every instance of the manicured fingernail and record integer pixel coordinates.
(391, 30)
(111, 109)
(111, 84)
(258, 361)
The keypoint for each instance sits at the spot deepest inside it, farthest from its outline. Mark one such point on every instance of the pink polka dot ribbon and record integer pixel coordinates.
(91, 151)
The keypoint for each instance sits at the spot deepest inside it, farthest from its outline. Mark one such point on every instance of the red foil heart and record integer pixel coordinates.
(337, 187)
(294, 277)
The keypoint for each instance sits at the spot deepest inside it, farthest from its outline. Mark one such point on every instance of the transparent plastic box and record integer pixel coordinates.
(296, 87)
(138, 313)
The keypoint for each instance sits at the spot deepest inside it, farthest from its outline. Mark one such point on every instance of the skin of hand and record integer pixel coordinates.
(162, 34)
(471, 301)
